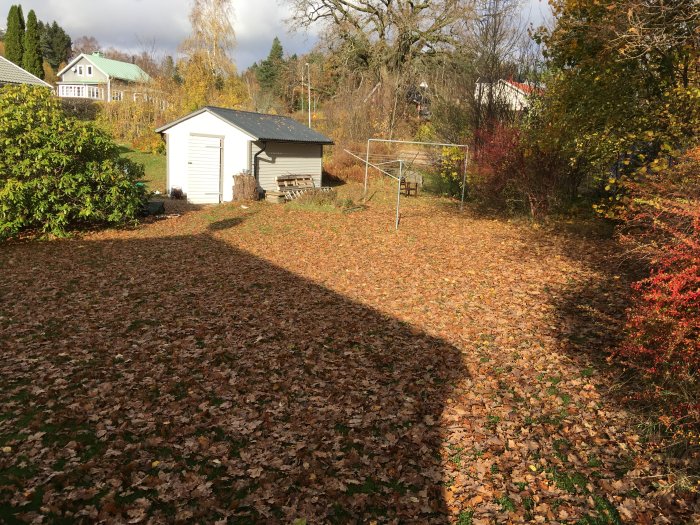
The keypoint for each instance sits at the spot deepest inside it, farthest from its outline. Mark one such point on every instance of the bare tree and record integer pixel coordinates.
(85, 44)
(117, 54)
(396, 30)
(497, 38)
(212, 34)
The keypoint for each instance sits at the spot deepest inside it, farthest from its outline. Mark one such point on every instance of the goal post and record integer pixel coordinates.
(465, 147)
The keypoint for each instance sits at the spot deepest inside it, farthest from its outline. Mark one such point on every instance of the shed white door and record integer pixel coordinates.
(204, 169)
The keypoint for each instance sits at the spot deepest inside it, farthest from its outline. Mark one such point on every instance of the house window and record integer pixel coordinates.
(117, 95)
(80, 70)
(89, 71)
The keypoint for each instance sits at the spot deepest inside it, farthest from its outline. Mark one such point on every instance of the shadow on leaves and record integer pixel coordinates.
(194, 381)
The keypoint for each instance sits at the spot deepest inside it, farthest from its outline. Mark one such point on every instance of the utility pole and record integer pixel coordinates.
(302, 90)
(308, 80)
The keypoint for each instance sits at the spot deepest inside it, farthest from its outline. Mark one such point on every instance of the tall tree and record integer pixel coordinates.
(624, 88)
(495, 38)
(212, 35)
(167, 67)
(55, 44)
(14, 36)
(397, 31)
(31, 58)
(270, 70)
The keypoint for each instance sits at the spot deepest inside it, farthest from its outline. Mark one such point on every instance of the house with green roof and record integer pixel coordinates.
(98, 78)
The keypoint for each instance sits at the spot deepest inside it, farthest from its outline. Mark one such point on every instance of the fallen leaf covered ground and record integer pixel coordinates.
(276, 363)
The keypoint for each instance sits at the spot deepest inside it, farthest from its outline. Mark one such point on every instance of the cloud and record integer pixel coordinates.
(134, 25)
(257, 23)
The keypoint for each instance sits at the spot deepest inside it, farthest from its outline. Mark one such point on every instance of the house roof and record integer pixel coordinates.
(525, 88)
(11, 73)
(112, 68)
(260, 126)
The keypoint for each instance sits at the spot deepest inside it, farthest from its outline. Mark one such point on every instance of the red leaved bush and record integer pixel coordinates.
(663, 324)
(498, 159)
(516, 173)
(664, 223)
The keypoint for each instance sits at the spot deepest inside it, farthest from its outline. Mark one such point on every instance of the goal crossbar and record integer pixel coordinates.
(375, 165)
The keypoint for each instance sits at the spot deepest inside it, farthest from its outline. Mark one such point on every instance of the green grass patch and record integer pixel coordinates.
(572, 483)
(325, 202)
(507, 504)
(154, 165)
(466, 517)
(605, 514)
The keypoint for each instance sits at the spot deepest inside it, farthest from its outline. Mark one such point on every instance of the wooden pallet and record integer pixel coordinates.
(292, 186)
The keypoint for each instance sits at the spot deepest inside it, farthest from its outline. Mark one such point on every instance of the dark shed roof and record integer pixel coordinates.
(261, 126)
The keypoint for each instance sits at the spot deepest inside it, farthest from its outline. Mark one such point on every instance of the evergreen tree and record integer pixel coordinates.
(167, 68)
(31, 58)
(14, 35)
(269, 71)
(55, 44)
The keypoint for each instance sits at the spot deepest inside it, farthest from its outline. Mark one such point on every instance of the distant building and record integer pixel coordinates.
(98, 78)
(514, 95)
(12, 74)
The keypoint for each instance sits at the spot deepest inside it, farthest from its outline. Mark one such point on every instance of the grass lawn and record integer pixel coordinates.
(154, 165)
(276, 363)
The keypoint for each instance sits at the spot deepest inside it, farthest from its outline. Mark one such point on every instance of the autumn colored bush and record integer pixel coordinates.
(513, 173)
(57, 172)
(491, 178)
(343, 167)
(448, 167)
(663, 328)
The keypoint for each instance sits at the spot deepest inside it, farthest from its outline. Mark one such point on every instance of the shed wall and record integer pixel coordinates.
(235, 156)
(281, 158)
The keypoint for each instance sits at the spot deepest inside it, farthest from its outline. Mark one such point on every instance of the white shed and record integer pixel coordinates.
(205, 149)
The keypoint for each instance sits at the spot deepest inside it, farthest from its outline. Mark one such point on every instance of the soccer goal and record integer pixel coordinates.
(387, 161)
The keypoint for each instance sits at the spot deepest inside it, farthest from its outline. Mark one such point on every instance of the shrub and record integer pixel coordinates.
(663, 327)
(496, 160)
(343, 167)
(56, 172)
(327, 201)
(515, 173)
(317, 201)
(449, 166)
(663, 222)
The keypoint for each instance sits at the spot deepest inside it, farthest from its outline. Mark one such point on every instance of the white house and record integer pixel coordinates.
(98, 78)
(514, 95)
(207, 148)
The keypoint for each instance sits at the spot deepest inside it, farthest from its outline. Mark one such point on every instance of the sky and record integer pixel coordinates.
(137, 25)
